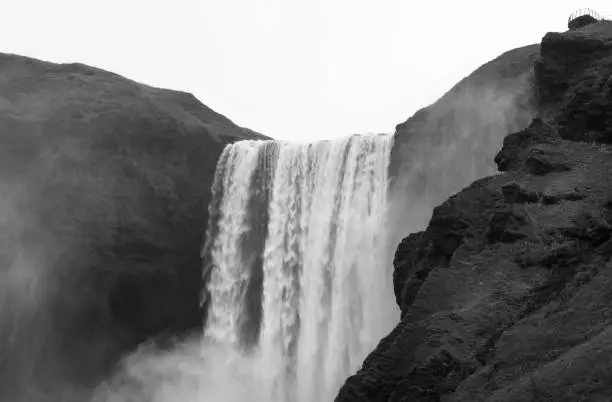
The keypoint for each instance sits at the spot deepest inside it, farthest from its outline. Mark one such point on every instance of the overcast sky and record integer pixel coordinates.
(292, 69)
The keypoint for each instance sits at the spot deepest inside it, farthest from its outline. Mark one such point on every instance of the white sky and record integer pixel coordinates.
(291, 69)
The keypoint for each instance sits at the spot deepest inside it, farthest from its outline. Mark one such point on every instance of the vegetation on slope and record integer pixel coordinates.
(105, 185)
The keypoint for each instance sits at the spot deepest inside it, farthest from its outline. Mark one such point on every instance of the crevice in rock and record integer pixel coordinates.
(507, 224)
(549, 199)
(516, 193)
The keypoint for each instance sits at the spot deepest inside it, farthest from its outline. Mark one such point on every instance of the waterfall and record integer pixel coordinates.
(297, 265)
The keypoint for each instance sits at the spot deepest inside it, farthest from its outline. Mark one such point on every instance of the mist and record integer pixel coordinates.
(194, 370)
(54, 338)
(447, 146)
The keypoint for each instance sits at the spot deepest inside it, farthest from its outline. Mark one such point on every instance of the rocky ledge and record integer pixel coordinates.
(507, 294)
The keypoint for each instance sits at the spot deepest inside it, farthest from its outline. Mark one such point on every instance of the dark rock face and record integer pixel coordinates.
(105, 188)
(581, 21)
(505, 296)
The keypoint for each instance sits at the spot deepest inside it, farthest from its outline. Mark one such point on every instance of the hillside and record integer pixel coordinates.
(505, 296)
(447, 145)
(105, 188)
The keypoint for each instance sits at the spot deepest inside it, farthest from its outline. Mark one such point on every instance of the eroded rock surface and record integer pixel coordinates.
(507, 294)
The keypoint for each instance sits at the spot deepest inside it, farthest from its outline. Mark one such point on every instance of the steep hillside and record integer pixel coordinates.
(505, 296)
(445, 146)
(105, 187)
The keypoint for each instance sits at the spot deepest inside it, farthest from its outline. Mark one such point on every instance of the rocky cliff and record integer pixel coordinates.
(446, 146)
(105, 185)
(505, 296)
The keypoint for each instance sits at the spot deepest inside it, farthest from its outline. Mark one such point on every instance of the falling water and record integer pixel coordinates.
(297, 265)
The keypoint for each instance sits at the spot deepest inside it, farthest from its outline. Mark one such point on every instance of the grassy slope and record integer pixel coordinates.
(105, 184)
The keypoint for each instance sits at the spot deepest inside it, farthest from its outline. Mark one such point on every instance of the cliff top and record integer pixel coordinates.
(43, 88)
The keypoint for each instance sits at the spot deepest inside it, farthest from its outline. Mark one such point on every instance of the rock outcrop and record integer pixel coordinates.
(581, 21)
(506, 295)
(105, 187)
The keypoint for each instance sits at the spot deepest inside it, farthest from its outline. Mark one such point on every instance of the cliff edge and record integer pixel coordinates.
(506, 295)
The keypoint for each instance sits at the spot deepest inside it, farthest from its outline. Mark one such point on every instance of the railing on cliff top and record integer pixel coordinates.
(588, 11)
